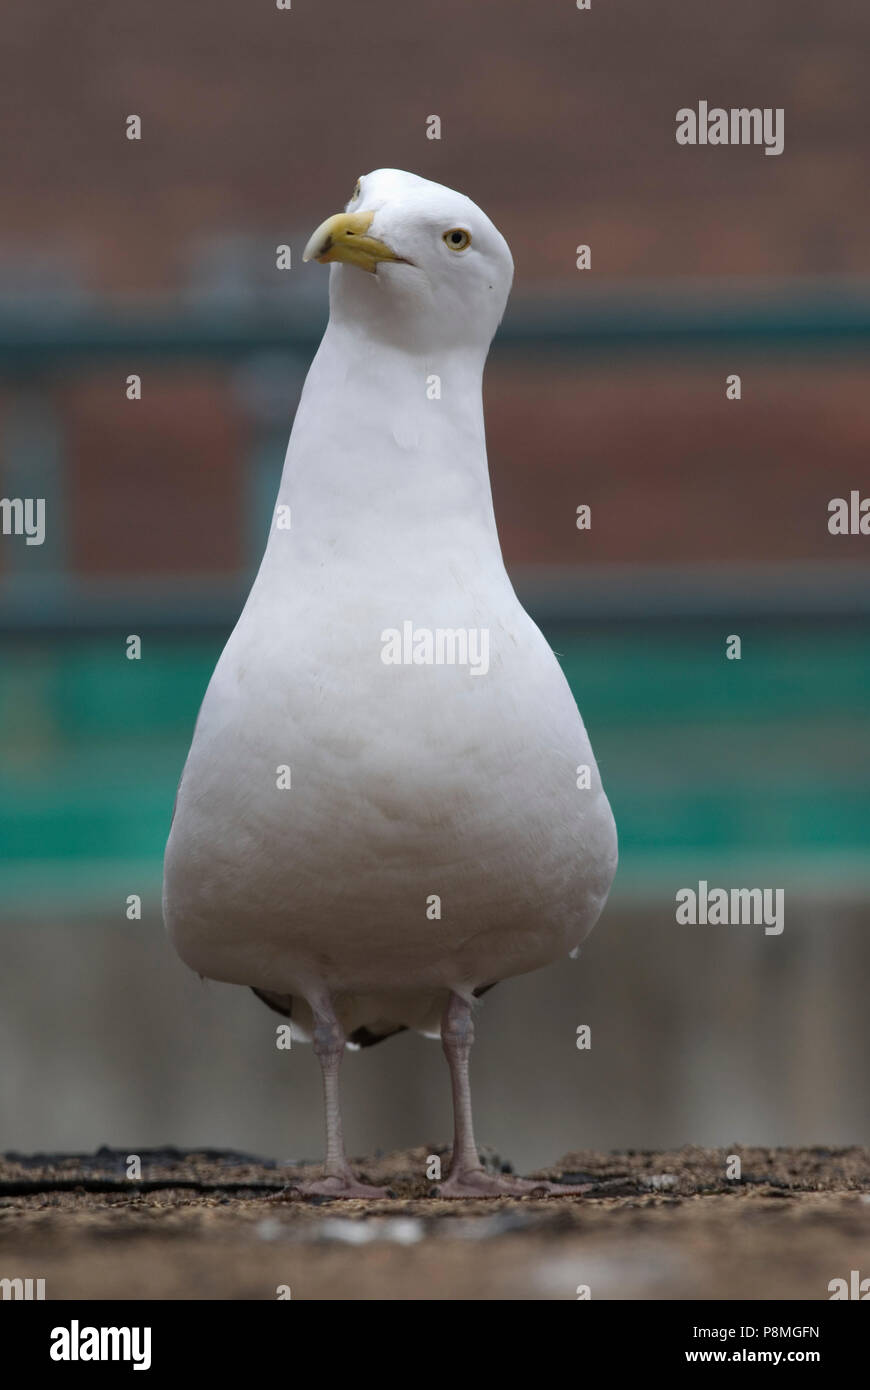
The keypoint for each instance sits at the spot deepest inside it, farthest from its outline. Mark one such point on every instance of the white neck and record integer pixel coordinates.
(375, 456)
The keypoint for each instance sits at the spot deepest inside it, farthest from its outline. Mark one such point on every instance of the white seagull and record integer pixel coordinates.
(390, 802)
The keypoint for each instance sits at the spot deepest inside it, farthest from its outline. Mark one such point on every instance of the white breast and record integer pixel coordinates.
(433, 833)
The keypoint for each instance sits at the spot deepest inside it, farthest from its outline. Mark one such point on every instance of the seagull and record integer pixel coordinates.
(390, 801)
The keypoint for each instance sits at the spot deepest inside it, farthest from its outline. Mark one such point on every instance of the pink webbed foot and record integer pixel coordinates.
(475, 1182)
(339, 1185)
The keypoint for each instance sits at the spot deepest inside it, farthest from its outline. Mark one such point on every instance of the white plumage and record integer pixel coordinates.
(411, 785)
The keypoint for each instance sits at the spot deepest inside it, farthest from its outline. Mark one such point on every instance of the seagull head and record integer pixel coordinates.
(415, 263)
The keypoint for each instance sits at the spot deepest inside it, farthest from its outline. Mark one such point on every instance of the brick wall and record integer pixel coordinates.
(561, 124)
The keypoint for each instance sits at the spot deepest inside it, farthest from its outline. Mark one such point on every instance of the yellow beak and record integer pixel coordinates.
(342, 238)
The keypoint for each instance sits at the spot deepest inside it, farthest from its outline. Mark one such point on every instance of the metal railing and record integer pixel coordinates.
(266, 338)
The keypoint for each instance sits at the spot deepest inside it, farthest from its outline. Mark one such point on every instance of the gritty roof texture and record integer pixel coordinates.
(215, 1225)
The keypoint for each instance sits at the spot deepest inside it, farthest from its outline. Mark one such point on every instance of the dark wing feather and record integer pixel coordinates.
(281, 1003)
(361, 1037)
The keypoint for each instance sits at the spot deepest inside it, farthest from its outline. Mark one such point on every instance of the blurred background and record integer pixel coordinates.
(606, 387)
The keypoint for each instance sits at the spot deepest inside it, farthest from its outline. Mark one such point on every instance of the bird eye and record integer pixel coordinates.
(357, 191)
(458, 239)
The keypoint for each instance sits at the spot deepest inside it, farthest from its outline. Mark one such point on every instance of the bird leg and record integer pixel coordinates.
(468, 1177)
(338, 1179)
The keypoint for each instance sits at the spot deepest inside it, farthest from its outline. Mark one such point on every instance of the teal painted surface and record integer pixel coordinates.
(768, 755)
(706, 760)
